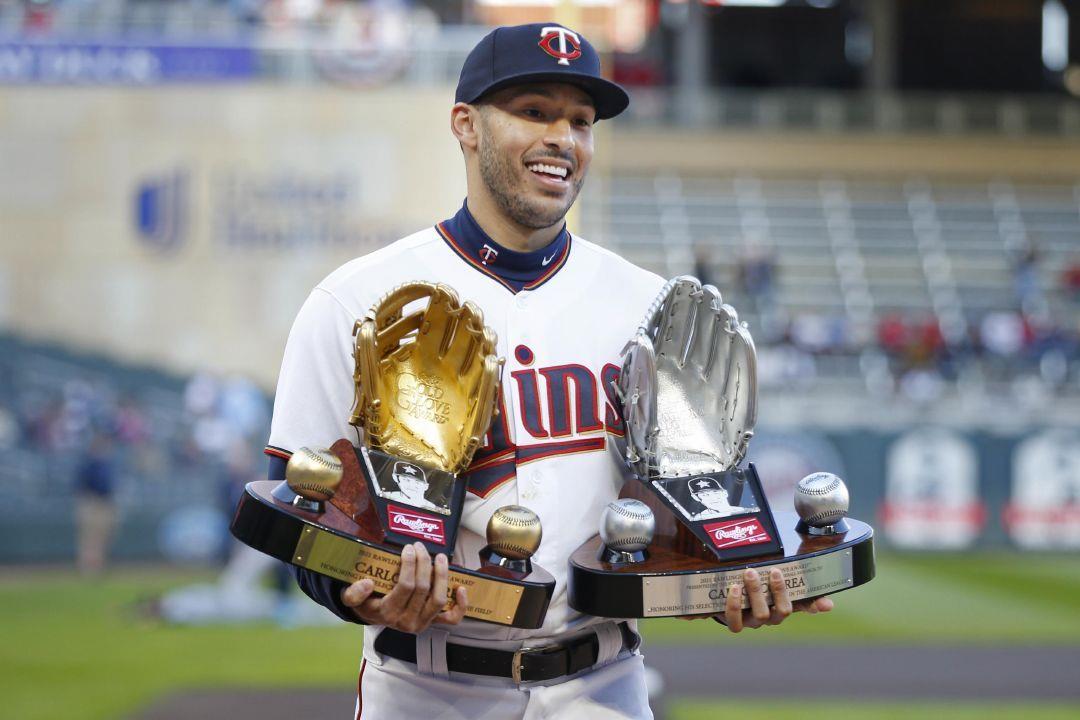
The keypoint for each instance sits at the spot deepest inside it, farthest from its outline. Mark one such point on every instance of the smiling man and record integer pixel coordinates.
(527, 100)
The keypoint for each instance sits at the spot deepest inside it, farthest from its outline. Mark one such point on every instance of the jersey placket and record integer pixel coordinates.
(530, 490)
(518, 334)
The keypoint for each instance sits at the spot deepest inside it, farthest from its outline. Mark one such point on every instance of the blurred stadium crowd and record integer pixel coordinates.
(81, 431)
(908, 289)
(1023, 342)
(1005, 344)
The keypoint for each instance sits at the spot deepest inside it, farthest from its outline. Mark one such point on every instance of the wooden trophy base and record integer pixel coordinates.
(344, 539)
(680, 576)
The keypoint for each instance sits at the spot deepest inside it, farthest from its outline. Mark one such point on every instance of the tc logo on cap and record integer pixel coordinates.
(569, 44)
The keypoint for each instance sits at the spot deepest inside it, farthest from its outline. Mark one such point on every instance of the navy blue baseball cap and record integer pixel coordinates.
(538, 52)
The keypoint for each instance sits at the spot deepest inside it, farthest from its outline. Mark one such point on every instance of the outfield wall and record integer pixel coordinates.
(924, 489)
(931, 487)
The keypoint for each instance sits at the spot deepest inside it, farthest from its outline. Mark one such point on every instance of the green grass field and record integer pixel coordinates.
(74, 648)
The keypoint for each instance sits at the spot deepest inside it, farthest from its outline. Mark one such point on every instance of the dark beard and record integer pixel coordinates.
(499, 177)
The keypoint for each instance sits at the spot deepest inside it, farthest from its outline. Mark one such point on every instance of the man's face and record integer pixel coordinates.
(411, 485)
(713, 499)
(534, 148)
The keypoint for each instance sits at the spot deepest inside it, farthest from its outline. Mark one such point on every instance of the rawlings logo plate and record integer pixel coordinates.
(736, 533)
(416, 524)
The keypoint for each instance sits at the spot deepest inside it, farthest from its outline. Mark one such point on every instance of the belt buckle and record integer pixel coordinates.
(515, 664)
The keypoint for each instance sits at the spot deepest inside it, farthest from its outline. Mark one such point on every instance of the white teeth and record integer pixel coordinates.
(549, 169)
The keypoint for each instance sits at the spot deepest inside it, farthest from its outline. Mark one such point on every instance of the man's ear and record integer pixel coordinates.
(464, 122)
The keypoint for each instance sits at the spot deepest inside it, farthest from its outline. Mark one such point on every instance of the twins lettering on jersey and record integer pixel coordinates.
(559, 407)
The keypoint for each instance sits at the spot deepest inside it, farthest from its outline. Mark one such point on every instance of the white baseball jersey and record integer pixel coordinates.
(562, 315)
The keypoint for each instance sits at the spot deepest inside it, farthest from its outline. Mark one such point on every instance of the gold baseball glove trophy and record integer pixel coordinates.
(426, 378)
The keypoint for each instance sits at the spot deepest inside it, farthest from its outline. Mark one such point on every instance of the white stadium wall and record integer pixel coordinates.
(183, 227)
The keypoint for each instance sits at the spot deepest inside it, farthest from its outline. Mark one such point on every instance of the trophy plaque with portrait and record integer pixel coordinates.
(691, 519)
(426, 382)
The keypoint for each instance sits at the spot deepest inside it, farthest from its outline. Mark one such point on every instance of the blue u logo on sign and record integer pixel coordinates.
(161, 210)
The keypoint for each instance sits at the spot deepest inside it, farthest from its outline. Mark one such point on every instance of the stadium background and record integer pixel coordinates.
(888, 191)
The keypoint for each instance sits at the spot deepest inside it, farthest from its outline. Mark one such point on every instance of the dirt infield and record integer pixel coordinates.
(885, 673)
(262, 704)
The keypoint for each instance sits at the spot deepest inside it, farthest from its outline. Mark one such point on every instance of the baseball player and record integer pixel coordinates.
(412, 486)
(563, 308)
(710, 493)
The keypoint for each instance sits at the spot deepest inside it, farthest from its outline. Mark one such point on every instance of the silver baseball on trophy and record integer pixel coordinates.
(626, 529)
(821, 500)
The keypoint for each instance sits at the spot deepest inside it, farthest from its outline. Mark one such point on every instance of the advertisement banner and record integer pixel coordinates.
(122, 63)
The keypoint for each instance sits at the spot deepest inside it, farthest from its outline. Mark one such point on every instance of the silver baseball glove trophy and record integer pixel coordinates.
(691, 518)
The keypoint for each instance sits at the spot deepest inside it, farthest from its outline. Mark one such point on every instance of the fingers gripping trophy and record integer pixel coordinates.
(426, 376)
(691, 518)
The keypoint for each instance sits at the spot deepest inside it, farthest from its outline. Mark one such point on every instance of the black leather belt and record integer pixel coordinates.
(524, 665)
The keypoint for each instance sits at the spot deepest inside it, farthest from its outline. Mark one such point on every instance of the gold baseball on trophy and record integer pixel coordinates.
(313, 474)
(514, 532)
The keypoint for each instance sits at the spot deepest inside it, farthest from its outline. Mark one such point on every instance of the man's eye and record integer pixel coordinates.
(583, 123)
(533, 113)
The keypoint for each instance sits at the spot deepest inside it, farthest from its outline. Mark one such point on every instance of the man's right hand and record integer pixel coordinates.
(416, 602)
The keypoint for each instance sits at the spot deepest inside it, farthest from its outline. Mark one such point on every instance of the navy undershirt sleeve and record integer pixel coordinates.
(323, 590)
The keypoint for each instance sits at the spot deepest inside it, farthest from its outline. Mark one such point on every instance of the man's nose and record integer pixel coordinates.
(560, 135)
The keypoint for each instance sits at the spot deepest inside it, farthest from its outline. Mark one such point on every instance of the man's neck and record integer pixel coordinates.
(505, 231)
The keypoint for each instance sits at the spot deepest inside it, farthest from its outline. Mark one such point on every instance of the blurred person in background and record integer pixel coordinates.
(252, 586)
(1070, 279)
(703, 265)
(757, 273)
(819, 334)
(9, 428)
(95, 512)
(1003, 335)
(1028, 286)
(892, 336)
(920, 377)
(38, 15)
